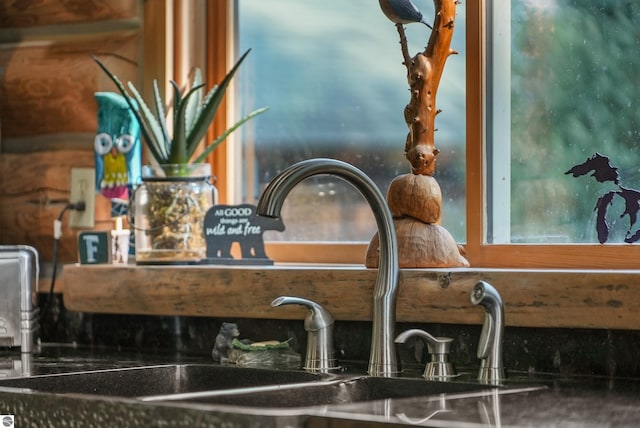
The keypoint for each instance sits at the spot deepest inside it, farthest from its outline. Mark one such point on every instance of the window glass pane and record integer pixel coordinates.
(331, 73)
(570, 69)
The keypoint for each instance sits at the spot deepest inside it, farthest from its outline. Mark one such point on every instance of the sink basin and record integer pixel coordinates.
(156, 380)
(203, 384)
(327, 392)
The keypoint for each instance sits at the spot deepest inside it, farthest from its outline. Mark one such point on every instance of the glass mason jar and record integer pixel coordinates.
(169, 209)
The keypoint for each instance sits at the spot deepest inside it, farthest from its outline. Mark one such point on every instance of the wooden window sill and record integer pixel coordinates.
(533, 298)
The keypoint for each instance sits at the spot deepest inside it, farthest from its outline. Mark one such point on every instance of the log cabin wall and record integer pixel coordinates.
(48, 111)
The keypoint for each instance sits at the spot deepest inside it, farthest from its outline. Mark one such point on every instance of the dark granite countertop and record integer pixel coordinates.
(536, 401)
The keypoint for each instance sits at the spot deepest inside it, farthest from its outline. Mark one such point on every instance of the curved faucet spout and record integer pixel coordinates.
(383, 360)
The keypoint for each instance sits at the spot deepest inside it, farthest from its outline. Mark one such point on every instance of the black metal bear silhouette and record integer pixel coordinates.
(226, 224)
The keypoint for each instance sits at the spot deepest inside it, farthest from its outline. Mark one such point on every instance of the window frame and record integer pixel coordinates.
(220, 38)
(479, 252)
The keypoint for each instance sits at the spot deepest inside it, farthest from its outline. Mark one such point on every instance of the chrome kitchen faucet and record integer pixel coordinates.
(383, 359)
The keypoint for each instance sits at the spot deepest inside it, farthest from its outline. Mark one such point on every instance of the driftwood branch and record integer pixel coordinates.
(403, 45)
(424, 72)
(415, 199)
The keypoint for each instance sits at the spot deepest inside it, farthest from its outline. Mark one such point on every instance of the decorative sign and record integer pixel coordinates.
(94, 247)
(226, 224)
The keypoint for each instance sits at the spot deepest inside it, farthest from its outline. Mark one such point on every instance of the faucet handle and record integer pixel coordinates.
(439, 368)
(319, 326)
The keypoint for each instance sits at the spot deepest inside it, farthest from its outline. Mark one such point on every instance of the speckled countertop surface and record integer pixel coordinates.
(540, 401)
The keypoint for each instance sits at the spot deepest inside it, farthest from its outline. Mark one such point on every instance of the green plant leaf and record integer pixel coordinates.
(192, 116)
(156, 145)
(162, 115)
(210, 107)
(203, 156)
(179, 152)
(194, 106)
(177, 98)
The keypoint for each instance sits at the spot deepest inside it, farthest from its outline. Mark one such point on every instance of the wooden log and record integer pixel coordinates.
(55, 12)
(415, 196)
(420, 245)
(36, 101)
(532, 298)
(415, 202)
(34, 194)
(48, 110)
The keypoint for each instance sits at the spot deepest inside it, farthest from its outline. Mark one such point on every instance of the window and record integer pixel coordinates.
(561, 90)
(527, 121)
(558, 88)
(331, 73)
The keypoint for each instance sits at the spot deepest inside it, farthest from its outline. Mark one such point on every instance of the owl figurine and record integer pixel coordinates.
(118, 151)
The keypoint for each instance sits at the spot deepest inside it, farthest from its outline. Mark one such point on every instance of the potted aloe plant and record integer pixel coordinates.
(176, 191)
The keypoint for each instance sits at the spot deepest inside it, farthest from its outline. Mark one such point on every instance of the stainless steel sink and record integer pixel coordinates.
(205, 385)
(341, 390)
(156, 380)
